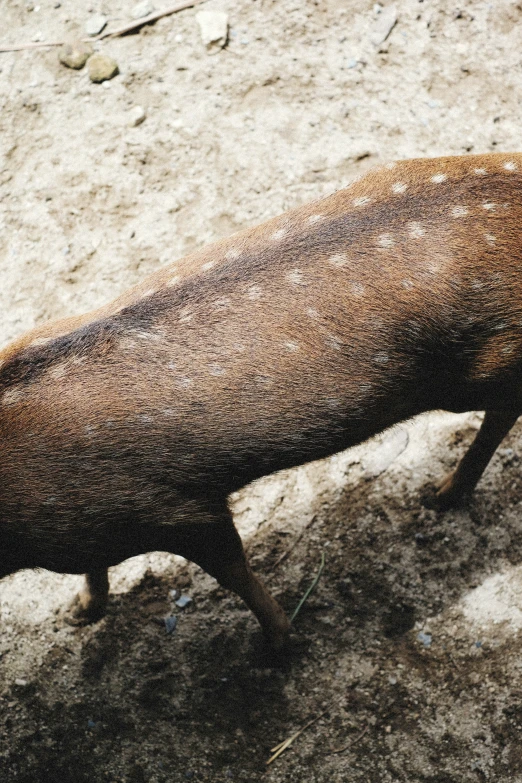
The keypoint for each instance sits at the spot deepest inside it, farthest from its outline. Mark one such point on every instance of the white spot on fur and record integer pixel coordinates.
(232, 253)
(279, 234)
(508, 349)
(386, 240)
(489, 205)
(222, 303)
(173, 280)
(185, 316)
(315, 218)
(149, 292)
(312, 312)
(391, 165)
(58, 372)
(216, 369)
(338, 259)
(480, 171)
(40, 341)
(510, 165)
(477, 285)
(490, 238)
(184, 382)
(208, 265)
(358, 289)
(365, 387)
(144, 335)
(457, 212)
(438, 178)
(381, 358)
(290, 345)
(399, 187)
(361, 201)
(333, 342)
(416, 230)
(333, 403)
(295, 277)
(407, 284)
(12, 396)
(254, 292)
(168, 412)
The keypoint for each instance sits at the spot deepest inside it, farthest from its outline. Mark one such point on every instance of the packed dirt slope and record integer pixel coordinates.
(408, 652)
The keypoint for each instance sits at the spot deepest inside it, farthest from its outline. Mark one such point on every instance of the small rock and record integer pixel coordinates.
(101, 68)
(142, 9)
(173, 594)
(95, 24)
(21, 683)
(183, 601)
(383, 25)
(214, 29)
(75, 54)
(136, 116)
(425, 638)
(170, 623)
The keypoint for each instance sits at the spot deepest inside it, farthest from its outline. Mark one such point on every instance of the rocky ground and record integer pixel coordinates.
(407, 653)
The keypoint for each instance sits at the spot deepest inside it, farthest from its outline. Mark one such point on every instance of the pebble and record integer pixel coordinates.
(142, 9)
(214, 29)
(170, 623)
(136, 116)
(95, 24)
(101, 68)
(383, 25)
(183, 601)
(21, 683)
(425, 638)
(75, 54)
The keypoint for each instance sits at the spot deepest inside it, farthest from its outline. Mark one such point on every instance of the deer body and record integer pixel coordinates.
(124, 431)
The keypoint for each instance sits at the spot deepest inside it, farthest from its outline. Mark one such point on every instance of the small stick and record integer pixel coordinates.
(278, 749)
(147, 19)
(312, 586)
(294, 544)
(355, 739)
(121, 31)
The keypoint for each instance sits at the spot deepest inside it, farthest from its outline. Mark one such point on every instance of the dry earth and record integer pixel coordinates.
(409, 648)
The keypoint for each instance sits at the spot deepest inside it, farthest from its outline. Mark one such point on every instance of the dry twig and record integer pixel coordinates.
(312, 586)
(121, 31)
(352, 742)
(278, 749)
(295, 542)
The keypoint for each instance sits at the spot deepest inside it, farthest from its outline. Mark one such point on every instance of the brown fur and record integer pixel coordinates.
(125, 430)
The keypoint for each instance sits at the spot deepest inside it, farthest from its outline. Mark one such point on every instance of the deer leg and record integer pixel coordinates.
(464, 479)
(90, 604)
(217, 548)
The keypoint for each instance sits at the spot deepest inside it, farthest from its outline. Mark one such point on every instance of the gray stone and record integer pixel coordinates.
(75, 54)
(95, 24)
(144, 8)
(101, 68)
(214, 29)
(136, 116)
(383, 25)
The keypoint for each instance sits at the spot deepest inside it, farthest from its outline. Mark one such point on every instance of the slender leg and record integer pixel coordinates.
(217, 548)
(463, 480)
(90, 604)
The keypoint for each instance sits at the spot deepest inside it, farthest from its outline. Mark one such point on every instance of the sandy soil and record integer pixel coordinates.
(408, 651)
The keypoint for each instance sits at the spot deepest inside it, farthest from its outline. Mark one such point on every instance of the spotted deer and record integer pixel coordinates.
(125, 430)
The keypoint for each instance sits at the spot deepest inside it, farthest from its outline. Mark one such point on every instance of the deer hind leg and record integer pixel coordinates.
(90, 604)
(217, 548)
(463, 480)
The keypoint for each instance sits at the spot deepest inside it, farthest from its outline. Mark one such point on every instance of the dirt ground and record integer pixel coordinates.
(407, 654)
